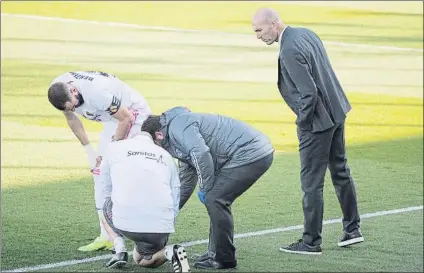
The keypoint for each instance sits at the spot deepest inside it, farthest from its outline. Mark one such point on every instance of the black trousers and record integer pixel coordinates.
(146, 244)
(230, 184)
(317, 152)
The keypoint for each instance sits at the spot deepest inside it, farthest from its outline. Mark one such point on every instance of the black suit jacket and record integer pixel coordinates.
(307, 81)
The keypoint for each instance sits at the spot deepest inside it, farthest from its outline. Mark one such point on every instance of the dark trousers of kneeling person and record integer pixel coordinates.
(149, 247)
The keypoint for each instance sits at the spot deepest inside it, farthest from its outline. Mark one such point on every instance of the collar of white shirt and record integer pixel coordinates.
(281, 35)
(144, 135)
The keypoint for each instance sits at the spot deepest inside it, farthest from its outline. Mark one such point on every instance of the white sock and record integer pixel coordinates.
(103, 232)
(119, 244)
(169, 252)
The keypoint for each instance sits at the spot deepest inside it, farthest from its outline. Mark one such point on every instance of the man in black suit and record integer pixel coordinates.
(311, 89)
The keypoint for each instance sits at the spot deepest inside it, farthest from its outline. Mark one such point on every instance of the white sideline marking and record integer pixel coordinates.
(199, 242)
(135, 26)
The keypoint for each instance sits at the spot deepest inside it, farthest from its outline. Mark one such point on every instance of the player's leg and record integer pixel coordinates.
(120, 257)
(102, 241)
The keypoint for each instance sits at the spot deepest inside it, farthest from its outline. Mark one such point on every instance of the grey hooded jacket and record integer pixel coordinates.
(210, 142)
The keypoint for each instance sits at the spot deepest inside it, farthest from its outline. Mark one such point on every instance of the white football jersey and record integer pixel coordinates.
(103, 95)
(142, 180)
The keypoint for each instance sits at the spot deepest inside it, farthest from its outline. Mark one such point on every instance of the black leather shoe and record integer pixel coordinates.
(213, 264)
(348, 239)
(300, 247)
(206, 256)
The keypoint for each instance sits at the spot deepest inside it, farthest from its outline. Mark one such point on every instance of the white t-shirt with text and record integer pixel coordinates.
(142, 180)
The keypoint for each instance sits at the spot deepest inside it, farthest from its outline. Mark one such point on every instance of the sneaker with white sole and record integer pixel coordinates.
(301, 248)
(98, 244)
(348, 239)
(118, 260)
(179, 259)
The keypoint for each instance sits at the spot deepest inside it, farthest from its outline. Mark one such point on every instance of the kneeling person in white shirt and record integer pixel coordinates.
(142, 181)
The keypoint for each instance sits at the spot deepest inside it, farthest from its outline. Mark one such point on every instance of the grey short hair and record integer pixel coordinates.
(58, 95)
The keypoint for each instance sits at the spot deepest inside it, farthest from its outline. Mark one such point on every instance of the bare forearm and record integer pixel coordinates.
(123, 127)
(78, 129)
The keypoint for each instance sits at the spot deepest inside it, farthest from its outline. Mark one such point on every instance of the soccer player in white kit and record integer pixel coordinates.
(142, 188)
(100, 97)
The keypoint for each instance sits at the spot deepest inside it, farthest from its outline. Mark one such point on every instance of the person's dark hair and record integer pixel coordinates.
(58, 95)
(151, 125)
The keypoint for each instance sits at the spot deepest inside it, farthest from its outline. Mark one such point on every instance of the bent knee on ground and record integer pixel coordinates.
(157, 259)
(148, 263)
(136, 256)
(152, 263)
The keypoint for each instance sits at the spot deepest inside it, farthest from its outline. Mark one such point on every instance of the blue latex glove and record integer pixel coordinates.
(201, 196)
